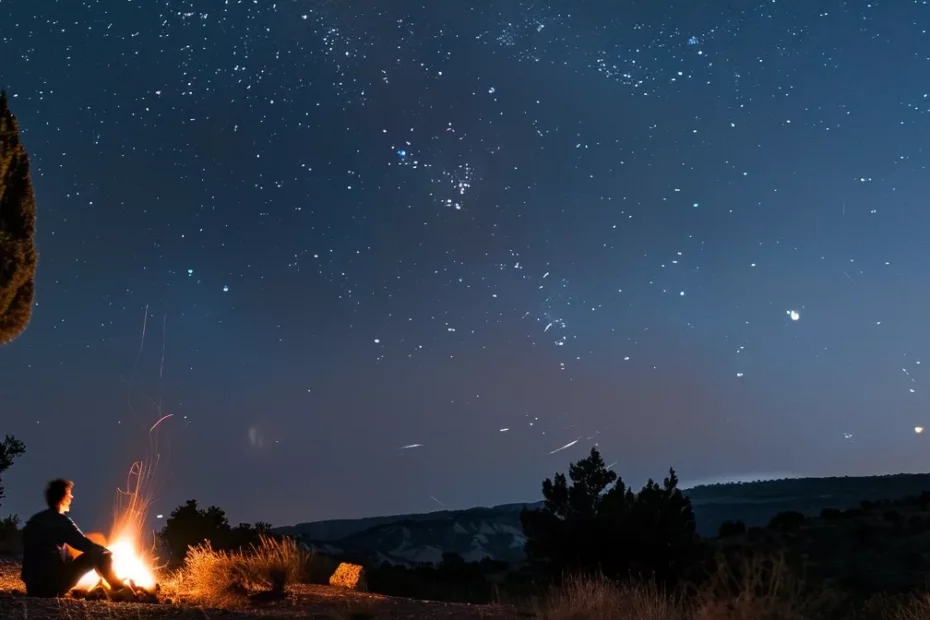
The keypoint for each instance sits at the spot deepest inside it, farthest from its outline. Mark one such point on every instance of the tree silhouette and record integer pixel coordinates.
(11, 448)
(731, 528)
(597, 523)
(189, 525)
(18, 254)
(245, 535)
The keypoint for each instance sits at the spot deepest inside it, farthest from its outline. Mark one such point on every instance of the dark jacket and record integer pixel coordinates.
(44, 539)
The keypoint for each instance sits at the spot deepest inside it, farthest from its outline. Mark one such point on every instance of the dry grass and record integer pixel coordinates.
(904, 607)
(224, 578)
(756, 588)
(759, 587)
(597, 598)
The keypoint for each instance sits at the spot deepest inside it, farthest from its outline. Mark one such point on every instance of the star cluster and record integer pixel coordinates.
(371, 258)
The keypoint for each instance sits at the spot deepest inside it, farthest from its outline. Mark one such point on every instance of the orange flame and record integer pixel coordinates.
(130, 562)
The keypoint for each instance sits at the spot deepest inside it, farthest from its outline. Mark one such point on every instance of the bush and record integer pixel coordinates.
(189, 526)
(224, 577)
(320, 568)
(894, 517)
(732, 528)
(453, 579)
(788, 521)
(11, 537)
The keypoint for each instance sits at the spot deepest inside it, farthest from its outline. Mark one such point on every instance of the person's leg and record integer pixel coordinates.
(72, 572)
(99, 561)
(103, 564)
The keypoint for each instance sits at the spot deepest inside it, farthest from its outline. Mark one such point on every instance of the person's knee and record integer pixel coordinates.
(100, 556)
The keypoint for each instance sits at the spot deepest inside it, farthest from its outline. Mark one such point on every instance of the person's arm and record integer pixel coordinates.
(75, 538)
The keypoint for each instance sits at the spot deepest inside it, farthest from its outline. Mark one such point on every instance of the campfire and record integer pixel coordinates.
(131, 563)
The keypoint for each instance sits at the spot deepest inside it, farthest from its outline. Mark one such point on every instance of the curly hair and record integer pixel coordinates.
(56, 491)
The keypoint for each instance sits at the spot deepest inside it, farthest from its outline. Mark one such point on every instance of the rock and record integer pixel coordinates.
(351, 576)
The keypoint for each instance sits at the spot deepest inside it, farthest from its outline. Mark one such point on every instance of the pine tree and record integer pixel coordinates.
(18, 254)
(597, 523)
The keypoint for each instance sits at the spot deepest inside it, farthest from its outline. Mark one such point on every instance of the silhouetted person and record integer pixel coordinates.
(48, 571)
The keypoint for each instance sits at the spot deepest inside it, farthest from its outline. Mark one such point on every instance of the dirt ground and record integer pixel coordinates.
(305, 602)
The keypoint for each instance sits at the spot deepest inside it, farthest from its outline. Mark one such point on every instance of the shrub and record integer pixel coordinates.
(320, 568)
(788, 521)
(732, 528)
(189, 526)
(863, 534)
(223, 577)
(894, 517)
(453, 579)
(11, 536)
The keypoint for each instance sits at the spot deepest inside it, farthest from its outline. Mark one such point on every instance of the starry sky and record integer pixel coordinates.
(375, 257)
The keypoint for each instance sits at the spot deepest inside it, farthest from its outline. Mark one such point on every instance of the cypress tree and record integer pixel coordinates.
(18, 254)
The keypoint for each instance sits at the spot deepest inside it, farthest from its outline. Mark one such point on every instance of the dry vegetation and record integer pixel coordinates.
(750, 589)
(262, 582)
(220, 585)
(596, 598)
(224, 578)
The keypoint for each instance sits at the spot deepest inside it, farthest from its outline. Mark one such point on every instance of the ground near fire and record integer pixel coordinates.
(616, 553)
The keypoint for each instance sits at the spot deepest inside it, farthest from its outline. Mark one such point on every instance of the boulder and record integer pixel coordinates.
(351, 576)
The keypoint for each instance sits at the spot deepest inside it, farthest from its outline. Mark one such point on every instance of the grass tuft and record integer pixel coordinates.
(743, 588)
(225, 578)
(598, 598)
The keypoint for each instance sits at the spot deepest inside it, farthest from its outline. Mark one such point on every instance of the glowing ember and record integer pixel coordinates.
(128, 564)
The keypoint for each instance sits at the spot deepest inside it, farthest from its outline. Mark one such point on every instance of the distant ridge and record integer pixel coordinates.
(496, 532)
(867, 487)
(331, 530)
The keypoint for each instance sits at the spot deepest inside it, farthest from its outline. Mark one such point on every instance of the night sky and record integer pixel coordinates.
(387, 257)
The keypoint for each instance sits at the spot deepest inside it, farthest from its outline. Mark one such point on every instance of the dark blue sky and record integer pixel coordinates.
(349, 228)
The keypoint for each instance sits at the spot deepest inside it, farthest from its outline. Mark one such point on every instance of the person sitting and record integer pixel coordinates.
(47, 569)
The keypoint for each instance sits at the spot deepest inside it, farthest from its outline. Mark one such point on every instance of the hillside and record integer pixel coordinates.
(474, 534)
(754, 503)
(496, 532)
(337, 529)
(880, 547)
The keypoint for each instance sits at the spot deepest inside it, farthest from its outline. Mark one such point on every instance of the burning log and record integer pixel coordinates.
(130, 594)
